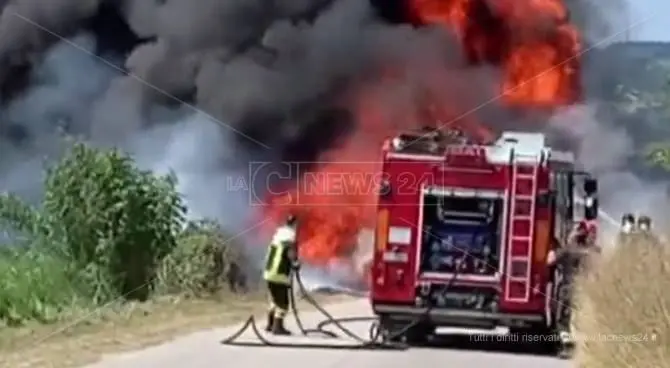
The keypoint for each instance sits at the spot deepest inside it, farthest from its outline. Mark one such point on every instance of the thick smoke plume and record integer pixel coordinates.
(607, 152)
(205, 89)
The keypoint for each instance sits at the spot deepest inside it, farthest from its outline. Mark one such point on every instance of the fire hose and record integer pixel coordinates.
(378, 338)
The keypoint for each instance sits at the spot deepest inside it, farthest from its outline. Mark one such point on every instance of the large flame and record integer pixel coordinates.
(531, 41)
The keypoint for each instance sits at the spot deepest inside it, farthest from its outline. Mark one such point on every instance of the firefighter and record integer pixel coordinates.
(578, 235)
(627, 229)
(281, 260)
(644, 224)
(644, 230)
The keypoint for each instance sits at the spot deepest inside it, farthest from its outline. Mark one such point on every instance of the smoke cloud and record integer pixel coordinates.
(609, 153)
(205, 89)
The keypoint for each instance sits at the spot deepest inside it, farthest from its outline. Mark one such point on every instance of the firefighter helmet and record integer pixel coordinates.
(627, 218)
(627, 222)
(291, 220)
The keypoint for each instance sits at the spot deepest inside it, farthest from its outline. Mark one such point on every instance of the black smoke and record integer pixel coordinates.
(276, 78)
(277, 71)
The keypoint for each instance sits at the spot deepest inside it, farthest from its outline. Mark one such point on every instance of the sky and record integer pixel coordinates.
(654, 18)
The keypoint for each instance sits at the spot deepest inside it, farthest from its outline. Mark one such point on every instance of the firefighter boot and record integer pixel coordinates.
(278, 327)
(271, 320)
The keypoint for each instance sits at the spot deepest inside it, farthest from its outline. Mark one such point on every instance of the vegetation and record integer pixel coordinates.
(106, 231)
(623, 313)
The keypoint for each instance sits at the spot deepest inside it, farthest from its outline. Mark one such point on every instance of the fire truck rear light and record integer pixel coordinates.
(395, 257)
(381, 237)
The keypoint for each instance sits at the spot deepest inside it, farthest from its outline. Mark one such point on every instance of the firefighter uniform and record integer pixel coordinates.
(572, 259)
(280, 260)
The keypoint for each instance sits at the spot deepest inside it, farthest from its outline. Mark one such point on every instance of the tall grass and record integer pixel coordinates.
(623, 309)
(37, 286)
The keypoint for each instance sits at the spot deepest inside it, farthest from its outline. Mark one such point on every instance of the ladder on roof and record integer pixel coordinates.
(522, 201)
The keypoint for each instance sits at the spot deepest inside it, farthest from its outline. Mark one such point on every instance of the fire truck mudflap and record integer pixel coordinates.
(463, 234)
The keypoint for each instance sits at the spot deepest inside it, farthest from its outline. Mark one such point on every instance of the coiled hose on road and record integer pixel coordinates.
(378, 338)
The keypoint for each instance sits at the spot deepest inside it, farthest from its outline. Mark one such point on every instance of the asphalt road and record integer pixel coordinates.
(203, 350)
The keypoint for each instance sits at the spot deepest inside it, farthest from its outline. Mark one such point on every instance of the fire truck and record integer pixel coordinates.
(464, 233)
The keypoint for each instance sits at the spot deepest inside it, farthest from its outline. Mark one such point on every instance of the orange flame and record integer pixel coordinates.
(532, 39)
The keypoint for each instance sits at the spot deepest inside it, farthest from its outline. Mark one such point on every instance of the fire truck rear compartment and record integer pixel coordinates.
(461, 236)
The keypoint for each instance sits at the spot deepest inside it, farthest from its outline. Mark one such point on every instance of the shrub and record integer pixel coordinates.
(103, 223)
(626, 298)
(116, 221)
(36, 286)
(205, 261)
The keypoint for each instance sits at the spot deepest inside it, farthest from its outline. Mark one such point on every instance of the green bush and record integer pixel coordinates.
(104, 224)
(36, 286)
(206, 260)
(115, 220)
(658, 154)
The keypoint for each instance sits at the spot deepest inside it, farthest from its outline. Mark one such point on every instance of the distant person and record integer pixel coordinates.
(627, 230)
(645, 232)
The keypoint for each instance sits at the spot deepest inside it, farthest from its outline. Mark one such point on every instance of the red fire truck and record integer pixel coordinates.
(464, 232)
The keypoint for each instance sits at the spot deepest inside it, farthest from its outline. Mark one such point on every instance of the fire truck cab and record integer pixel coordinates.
(464, 232)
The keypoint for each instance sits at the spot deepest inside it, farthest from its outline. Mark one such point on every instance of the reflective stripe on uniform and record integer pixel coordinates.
(277, 262)
(275, 270)
(280, 313)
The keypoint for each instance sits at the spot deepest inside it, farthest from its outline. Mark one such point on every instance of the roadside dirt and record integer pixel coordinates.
(85, 339)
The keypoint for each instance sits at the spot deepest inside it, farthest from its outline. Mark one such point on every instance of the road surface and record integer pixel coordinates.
(203, 350)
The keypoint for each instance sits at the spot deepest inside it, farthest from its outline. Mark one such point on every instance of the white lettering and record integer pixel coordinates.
(466, 150)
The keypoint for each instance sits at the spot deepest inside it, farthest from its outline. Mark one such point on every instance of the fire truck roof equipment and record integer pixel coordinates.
(527, 148)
